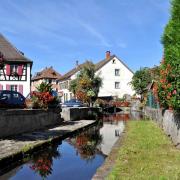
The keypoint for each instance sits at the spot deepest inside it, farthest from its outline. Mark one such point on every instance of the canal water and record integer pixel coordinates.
(75, 158)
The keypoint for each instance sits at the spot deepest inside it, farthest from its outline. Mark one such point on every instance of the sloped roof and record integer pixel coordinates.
(98, 66)
(105, 61)
(73, 71)
(47, 73)
(10, 52)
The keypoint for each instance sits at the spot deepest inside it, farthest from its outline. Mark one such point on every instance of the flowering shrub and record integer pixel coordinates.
(101, 103)
(167, 87)
(42, 99)
(120, 103)
(104, 103)
(82, 96)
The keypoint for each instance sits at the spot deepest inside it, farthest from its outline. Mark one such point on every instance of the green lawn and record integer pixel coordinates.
(146, 153)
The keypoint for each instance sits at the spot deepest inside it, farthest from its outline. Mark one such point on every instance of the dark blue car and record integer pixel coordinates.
(11, 99)
(72, 103)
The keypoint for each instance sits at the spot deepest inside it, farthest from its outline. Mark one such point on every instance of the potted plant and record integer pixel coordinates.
(29, 103)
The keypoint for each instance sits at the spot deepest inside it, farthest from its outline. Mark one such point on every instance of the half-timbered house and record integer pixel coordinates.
(15, 68)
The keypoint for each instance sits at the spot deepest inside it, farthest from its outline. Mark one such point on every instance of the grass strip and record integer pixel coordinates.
(146, 153)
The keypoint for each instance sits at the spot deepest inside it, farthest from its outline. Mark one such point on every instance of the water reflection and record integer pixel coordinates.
(86, 144)
(115, 118)
(42, 163)
(113, 126)
(77, 157)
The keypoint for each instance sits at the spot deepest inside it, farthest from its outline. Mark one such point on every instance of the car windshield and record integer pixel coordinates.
(72, 101)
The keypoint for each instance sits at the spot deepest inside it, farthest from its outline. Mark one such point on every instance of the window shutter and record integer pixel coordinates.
(1, 87)
(7, 69)
(20, 68)
(21, 89)
(7, 87)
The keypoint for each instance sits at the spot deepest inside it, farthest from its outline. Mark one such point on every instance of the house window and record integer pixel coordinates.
(71, 95)
(114, 61)
(117, 72)
(13, 88)
(62, 86)
(117, 85)
(14, 69)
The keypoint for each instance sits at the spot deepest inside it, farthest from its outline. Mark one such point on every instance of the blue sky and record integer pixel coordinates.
(59, 32)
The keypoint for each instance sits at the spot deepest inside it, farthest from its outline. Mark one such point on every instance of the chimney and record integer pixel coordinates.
(77, 63)
(108, 54)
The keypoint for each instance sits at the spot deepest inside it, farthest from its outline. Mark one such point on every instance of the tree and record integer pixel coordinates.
(44, 87)
(140, 80)
(169, 84)
(73, 86)
(86, 85)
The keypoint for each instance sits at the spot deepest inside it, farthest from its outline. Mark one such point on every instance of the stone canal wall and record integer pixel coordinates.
(168, 120)
(16, 121)
(78, 113)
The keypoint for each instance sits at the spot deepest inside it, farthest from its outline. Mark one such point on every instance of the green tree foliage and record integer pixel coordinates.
(86, 83)
(140, 80)
(73, 86)
(44, 87)
(169, 84)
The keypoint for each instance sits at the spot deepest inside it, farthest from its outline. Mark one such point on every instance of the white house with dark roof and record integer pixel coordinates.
(116, 76)
(15, 68)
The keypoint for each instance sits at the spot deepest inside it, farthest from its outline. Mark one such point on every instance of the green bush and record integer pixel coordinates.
(169, 84)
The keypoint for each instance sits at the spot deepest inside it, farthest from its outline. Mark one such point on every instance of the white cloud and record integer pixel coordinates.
(58, 21)
(122, 45)
(93, 31)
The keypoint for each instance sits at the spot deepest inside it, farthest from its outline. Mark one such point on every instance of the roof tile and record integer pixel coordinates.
(47, 73)
(10, 52)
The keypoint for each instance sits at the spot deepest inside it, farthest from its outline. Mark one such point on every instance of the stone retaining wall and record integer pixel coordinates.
(169, 121)
(78, 113)
(16, 121)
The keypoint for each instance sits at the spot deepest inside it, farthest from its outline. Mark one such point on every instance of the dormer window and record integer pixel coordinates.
(54, 74)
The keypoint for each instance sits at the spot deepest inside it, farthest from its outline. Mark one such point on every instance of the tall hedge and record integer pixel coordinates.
(169, 84)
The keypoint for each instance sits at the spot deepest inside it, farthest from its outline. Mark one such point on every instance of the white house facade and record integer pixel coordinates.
(15, 68)
(116, 78)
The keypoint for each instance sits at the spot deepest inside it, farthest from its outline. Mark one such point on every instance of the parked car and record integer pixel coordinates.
(11, 99)
(72, 103)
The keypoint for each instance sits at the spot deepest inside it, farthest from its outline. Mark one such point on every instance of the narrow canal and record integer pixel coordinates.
(75, 158)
